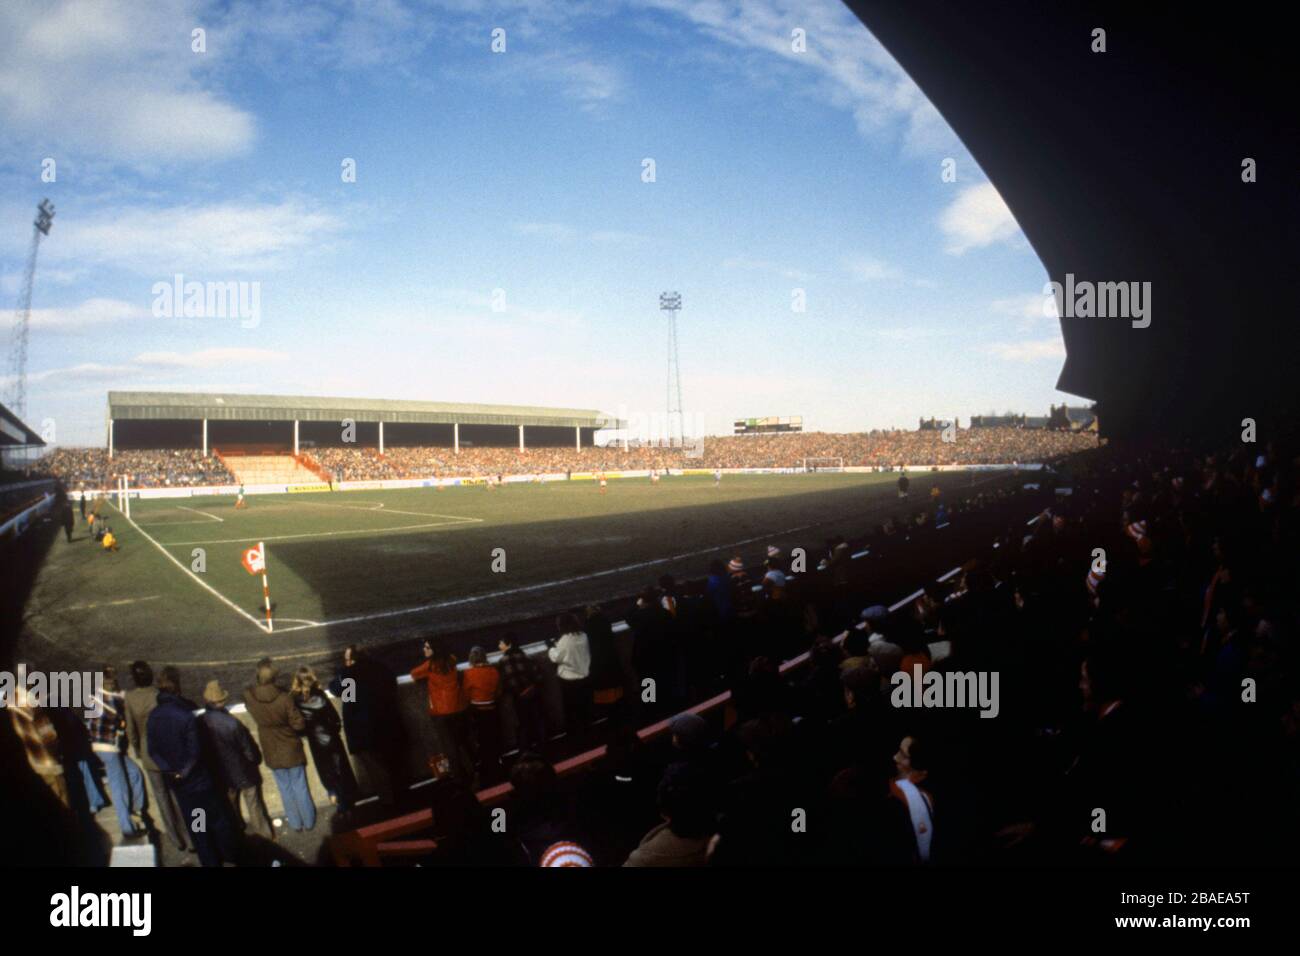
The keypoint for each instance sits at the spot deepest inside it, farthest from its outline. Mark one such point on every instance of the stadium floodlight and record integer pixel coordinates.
(671, 302)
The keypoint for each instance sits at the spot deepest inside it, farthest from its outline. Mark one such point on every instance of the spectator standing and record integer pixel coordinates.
(237, 761)
(324, 736)
(177, 748)
(448, 705)
(107, 733)
(483, 687)
(140, 702)
(367, 691)
(279, 723)
(571, 654)
(521, 684)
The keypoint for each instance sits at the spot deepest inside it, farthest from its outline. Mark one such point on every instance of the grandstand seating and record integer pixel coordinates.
(268, 469)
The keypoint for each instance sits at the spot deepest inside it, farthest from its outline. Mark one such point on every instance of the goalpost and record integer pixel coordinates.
(823, 464)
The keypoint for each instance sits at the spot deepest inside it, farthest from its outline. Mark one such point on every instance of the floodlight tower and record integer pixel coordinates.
(23, 314)
(671, 302)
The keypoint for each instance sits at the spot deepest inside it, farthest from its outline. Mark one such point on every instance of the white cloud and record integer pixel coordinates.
(148, 364)
(210, 241)
(978, 217)
(113, 80)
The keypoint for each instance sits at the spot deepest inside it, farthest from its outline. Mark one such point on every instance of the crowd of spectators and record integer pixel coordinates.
(162, 468)
(879, 449)
(155, 468)
(1139, 636)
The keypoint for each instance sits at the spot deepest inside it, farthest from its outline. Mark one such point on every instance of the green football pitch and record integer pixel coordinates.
(379, 566)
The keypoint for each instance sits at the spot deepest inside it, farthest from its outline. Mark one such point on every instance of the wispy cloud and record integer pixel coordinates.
(842, 65)
(114, 80)
(87, 315)
(871, 269)
(766, 265)
(215, 239)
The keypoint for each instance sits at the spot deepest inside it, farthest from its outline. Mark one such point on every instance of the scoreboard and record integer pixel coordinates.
(769, 425)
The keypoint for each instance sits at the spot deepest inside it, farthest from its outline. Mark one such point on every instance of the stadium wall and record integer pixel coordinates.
(199, 491)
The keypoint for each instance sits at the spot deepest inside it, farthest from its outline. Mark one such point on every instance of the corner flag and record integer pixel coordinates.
(254, 562)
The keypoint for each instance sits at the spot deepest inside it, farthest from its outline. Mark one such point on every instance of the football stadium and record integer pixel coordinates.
(949, 548)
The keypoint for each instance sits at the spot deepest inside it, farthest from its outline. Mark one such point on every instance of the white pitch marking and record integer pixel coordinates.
(367, 506)
(331, 534)
(437, 605)
(88, 607)
(204, 513)
(197, 580)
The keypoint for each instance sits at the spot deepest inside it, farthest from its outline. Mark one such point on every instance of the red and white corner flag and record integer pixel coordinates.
(254, 562)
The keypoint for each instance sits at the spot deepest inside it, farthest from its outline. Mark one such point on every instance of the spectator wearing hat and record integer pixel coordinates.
(236, 763)
(279, 724)
(177, 747)
(565, 853)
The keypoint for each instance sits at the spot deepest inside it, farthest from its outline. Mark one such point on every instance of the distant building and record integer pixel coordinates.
(936, 424)
(997, 421)
(1078, 419)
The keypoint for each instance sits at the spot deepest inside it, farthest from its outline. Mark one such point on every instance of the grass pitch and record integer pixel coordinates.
(377, 566)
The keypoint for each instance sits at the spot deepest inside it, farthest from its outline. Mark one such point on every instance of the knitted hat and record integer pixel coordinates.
(566, 853)
(773, 551)
(735, 564)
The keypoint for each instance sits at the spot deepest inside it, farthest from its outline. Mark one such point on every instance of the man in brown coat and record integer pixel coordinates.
(279, 723)
(140, 702)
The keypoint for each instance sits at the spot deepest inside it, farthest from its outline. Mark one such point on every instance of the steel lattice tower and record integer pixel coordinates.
(23, 314)
(671, 302)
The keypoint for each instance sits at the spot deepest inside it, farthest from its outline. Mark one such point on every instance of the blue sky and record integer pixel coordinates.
(776, 170)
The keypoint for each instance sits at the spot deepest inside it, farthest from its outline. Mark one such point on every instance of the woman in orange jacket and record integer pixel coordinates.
(448, 705)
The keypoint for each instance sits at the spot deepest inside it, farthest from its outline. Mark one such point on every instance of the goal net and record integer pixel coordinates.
(823, 464)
